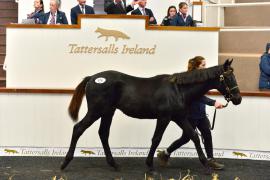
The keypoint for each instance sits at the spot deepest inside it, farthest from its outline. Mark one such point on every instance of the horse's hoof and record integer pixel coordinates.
(151, 172)
(64, 165)
(208, 171)
(117, 167)
(163, 159)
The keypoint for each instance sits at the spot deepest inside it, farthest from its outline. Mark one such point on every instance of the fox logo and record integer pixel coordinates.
(239, 154)
(11, 151)
(111, 33)
(87, 152)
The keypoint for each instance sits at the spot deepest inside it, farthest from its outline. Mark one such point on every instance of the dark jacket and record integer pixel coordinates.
(75, 11)
(36, 15)
(179, 21)
(197, 108)
(111, 8)
(148, 13)
(264, 82)
(61, 18)
(167, 21)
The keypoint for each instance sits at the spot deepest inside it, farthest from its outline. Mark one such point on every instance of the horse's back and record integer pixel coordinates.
(135, 96)
(109, 77)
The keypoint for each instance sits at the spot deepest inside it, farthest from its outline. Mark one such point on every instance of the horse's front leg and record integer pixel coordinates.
(191, 133)
(162, 124)
(164, 156)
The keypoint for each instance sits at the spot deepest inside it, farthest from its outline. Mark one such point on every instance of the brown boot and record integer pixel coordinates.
(163, 158)
(214, 164)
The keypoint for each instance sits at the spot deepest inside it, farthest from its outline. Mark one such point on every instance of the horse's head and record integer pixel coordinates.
(227, 84)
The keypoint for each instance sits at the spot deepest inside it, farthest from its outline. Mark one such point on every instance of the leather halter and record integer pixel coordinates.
(228, 96)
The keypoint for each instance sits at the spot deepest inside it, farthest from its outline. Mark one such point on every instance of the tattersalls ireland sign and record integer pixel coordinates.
(99, 43)
(112, 48)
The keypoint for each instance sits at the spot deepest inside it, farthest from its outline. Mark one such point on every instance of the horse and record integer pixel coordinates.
(162, 97)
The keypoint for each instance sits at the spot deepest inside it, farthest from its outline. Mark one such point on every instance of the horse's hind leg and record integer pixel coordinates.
(104, 132)
(78, 130)
(159, 131)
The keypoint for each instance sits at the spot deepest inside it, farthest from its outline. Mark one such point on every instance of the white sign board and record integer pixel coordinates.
(42, 57)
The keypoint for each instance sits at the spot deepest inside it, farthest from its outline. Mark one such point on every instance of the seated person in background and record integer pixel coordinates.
(183, 18)
(264, 83)
(141, 10)
(54, 16)
(118, 6)
(81, 8)
(171, 13)
(38, 12)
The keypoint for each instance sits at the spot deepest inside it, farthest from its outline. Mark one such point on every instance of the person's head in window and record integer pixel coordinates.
(142, 3)
(38, 5)
(183, 8)
(171, 12)
(82, 2)
(198, 62)
(54, 5)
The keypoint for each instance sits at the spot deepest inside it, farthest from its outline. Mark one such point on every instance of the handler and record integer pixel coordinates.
(198, 119)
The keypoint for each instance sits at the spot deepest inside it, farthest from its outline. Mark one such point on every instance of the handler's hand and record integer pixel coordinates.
(218, 105)
(152, 19)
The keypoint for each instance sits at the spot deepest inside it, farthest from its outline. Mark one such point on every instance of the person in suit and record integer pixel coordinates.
(141, 10)
(183, 18)
(54, 16)
(171, 13)
(118, 6)
(81, 8)
(38, 12)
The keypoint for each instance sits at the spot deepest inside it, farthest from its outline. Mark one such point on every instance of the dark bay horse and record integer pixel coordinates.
(163, 97)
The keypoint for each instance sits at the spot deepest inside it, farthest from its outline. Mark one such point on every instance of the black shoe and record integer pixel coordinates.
(163, 158)
(214, 164)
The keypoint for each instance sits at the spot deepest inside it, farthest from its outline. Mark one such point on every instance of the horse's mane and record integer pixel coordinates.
(196, 76)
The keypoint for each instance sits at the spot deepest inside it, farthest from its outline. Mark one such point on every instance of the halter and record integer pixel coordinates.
(228, 96)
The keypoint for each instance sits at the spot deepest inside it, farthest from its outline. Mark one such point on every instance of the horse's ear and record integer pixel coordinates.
(226, 65)
(230, 62)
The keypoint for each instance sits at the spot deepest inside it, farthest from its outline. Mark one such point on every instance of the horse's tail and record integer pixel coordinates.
(77, 98)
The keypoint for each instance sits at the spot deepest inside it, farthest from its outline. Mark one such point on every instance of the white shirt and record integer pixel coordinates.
(55, 16)
(123, 4)
(141, 9)
(82, 9)
(185, 19)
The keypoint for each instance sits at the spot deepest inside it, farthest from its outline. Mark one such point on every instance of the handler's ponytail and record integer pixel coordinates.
(195, 62)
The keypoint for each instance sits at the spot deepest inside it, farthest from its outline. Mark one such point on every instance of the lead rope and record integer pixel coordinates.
(214, 117)
(213, 124)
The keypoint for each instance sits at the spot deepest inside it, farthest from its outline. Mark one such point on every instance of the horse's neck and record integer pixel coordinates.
(195, 91)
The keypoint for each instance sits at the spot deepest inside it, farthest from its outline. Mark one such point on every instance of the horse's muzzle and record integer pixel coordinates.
(236, 100)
